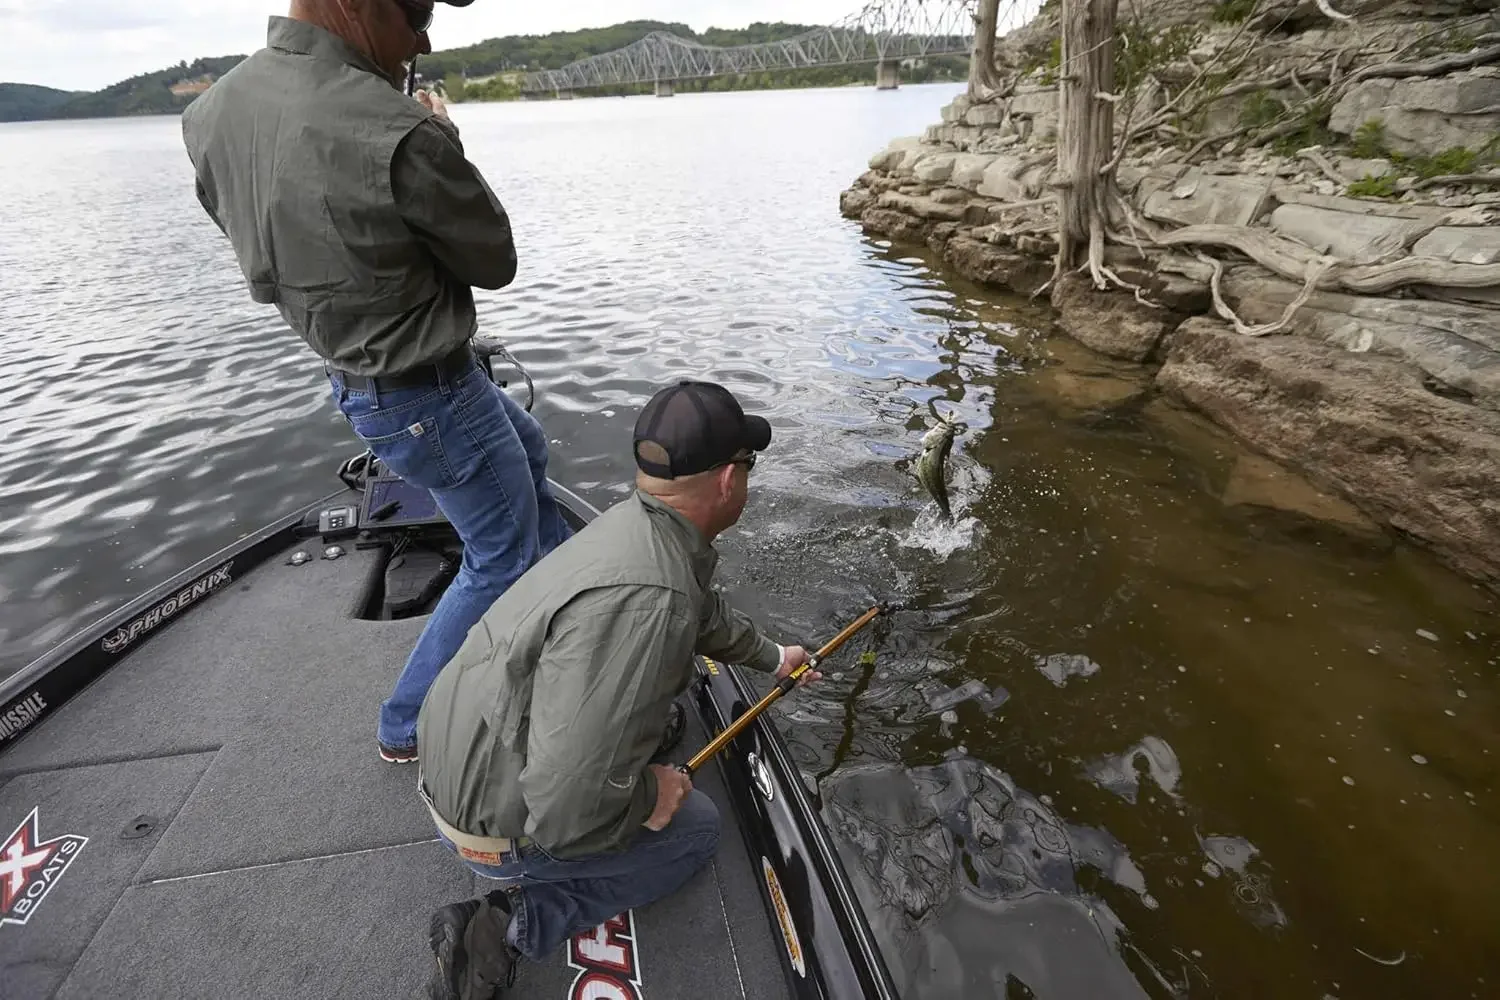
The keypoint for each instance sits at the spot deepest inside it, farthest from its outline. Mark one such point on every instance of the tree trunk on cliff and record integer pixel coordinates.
(984, 79)
(1086, 131)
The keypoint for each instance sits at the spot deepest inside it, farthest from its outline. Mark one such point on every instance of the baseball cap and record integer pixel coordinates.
(456, 3)
(692, 427)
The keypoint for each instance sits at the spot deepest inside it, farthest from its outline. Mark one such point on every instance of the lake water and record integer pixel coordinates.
(1207, 750)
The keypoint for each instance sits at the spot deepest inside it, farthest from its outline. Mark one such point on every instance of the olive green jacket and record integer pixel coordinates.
(349, 206)
(544, 722)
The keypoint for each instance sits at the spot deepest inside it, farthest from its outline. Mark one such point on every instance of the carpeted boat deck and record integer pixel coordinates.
(245, 839)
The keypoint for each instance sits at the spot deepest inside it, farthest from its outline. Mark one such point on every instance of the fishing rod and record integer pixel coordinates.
(782, 687)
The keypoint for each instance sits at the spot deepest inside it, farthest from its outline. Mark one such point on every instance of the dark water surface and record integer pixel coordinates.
(1129, 740)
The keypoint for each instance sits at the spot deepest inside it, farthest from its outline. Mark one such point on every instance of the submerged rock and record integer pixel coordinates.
(1411, 458)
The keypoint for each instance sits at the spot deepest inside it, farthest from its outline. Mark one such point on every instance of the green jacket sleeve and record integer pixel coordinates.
(726, 634)
(448, 205)
(602, 687)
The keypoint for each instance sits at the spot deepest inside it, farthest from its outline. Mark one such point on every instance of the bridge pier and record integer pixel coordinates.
(665, 88)
(564, 95)
(887, 74)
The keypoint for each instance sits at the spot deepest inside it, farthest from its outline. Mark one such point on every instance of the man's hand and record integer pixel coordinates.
(672, 787)
(794, 657)
(433, 103)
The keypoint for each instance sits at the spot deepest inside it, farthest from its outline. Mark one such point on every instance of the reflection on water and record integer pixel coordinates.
(1127, 738)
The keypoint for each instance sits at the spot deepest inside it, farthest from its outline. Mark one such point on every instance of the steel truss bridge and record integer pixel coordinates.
(885, 32)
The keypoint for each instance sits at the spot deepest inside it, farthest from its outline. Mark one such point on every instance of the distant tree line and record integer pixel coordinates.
(146, 94)
(500, 60)
(932, 69)
(556, 50)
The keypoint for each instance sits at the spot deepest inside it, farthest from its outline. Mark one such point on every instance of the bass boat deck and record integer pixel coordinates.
(193, 805)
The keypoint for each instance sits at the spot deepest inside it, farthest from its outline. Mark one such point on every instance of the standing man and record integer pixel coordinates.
(538, 738)
(353, 209)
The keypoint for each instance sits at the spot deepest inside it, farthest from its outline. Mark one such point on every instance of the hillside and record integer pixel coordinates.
(20, 102)
(172, 89)
(165, 91)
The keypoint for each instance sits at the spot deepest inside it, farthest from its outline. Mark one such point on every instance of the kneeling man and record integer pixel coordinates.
(537, 737)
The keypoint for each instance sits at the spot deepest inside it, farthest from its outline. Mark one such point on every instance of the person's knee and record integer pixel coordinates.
(701, 825)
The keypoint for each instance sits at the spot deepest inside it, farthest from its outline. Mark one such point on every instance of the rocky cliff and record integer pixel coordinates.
(1305, 237)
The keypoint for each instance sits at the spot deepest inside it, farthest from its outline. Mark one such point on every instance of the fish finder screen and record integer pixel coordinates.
(416, 504)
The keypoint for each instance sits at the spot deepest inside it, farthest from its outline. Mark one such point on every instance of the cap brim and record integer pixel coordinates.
(757, 433)
(456, 3)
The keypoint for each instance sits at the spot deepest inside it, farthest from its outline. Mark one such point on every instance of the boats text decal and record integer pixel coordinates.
(784, 917)
(30, 867)
(126, 634)
(21, 715)
(608, 964)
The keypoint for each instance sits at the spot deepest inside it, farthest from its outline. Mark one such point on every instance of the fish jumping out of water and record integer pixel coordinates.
(932, 465)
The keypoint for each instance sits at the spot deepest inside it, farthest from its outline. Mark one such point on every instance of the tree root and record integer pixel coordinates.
(1315, 270)
(1456, 179)
(1318, 160)
(1289, 259)
(1431, 67)
(1327, 9)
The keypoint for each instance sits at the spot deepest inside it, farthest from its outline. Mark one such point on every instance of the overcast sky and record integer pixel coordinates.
(88, 44)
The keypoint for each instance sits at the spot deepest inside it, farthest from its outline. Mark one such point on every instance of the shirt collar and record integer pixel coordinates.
(700, 550)
(291, 35)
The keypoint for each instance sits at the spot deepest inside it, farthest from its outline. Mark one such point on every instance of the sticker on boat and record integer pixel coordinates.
(204, 585)
(31, 866)
(22, 715)
(608, 963)
(784, 918)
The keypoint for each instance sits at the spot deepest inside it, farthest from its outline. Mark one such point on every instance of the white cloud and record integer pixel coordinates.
(87, 44)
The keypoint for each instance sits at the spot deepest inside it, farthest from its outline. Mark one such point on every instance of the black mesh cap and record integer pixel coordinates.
(692, 427)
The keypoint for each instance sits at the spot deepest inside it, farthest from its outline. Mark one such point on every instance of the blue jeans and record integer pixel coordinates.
(558, 898)
(484, 458)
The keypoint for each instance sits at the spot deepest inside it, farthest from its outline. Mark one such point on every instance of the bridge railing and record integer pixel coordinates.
(885, 30)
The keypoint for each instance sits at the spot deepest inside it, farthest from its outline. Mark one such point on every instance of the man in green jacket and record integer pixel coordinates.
(537, 738)
(353, 210)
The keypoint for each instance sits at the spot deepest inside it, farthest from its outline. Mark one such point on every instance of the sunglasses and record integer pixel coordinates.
(748, 461)
(418, 15)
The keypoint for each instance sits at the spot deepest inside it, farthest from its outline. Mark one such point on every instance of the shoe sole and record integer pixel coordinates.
(443, 939)
(392, 759)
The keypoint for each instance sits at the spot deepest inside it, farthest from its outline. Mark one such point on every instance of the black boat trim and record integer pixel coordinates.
(804, 883)
(782, 826)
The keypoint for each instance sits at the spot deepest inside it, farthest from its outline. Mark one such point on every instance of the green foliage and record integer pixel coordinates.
(504, 87)
(1368, 141)
(1233, 11)
(498, 60)
(1309, 128)
(146, 94)
(1262, 109)
(557, 49)
(934, 68)
(1374, 187)
(1140, 49)
(1454, 160)
(22, 102)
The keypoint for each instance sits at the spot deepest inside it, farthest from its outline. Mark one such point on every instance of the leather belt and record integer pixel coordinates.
(451, 366)
(480, 850)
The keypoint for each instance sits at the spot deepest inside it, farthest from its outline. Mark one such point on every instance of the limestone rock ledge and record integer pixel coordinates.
(1366, 427)
(1389, 401)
